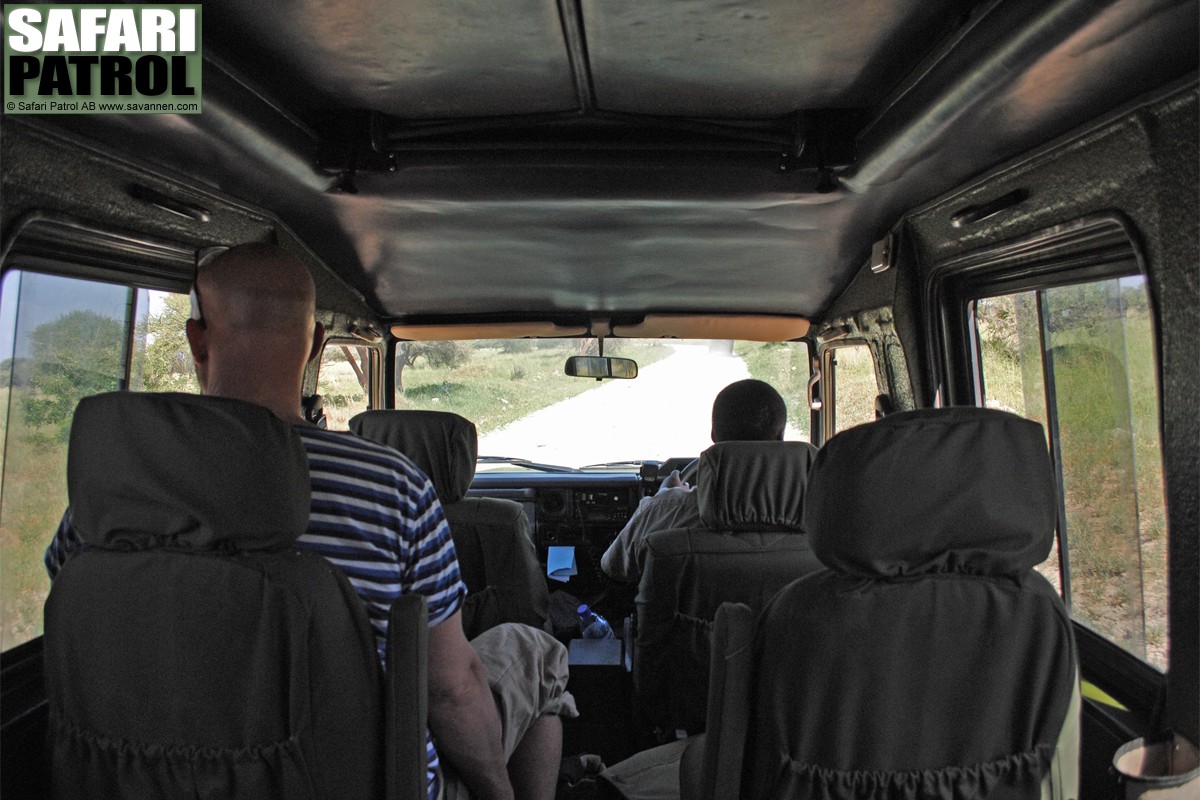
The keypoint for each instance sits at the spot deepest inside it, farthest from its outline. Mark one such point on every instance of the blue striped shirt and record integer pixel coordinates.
(375, 515)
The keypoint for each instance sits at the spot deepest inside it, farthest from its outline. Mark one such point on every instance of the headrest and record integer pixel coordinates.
(754, 486)
(182, 471)
(443, 445)
(939, 490)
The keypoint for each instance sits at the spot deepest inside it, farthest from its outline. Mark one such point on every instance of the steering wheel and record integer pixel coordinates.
(688, 473)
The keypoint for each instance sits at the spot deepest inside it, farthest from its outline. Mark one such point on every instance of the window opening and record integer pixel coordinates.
(1080, 359)
(852, 386)
(62, 339)
(344, 381)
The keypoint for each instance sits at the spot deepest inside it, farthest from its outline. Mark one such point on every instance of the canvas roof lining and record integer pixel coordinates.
(533, 234)
(708, 58)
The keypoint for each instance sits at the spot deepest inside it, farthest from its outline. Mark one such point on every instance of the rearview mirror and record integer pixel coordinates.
(600, 367)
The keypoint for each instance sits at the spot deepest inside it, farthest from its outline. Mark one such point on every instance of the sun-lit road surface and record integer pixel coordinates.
(665, 411)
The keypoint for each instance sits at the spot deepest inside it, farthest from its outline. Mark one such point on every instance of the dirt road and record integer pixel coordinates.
(665, 411)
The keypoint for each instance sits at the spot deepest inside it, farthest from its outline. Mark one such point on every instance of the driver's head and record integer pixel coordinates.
(748, 410)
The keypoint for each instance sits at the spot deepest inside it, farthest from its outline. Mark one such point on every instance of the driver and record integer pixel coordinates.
(748, 410)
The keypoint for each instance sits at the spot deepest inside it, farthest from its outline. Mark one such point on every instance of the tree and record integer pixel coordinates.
(448, 354)
(14, 372)
(996, 318)
(167, 365)
(76, 355)
(357, 358)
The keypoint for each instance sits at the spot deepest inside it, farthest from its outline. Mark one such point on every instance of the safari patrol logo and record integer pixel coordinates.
(95, 59)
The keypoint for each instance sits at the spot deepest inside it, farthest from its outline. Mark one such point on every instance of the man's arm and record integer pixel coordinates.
(64, 544)
(622, 560)
(617, 561)
(462, 713)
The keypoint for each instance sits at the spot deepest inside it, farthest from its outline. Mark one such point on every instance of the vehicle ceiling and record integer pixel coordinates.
(467, 159)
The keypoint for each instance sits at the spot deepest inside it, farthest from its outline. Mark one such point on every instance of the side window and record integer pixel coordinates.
(62, 339)
(344, 381)
(852, 388)
(1080, 359)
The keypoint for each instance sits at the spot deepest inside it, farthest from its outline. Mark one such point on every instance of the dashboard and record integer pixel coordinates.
(580, 510)
(584, 510)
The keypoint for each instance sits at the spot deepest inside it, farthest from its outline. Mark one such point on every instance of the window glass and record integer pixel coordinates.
(343, 381)
(853, 388)
(1011, 360)
(62, 339)
(1080, 359)
(525, 407)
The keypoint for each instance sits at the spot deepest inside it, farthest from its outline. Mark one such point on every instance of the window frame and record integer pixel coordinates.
(1094, 248)
(828, 390)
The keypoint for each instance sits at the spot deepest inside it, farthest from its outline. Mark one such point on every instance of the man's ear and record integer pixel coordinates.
(317, 341)
(197, 336)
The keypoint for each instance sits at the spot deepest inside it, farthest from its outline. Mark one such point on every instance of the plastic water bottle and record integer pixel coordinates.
(592, 624)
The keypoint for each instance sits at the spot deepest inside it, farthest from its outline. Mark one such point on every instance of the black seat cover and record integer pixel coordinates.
(496, 554)
(752, 543)
(190, 652)
(930, 660)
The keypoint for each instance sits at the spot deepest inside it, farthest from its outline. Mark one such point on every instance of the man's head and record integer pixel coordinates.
(748, 410)
(258, 329)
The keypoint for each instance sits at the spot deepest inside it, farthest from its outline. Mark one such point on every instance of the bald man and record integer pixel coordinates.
(494, 703)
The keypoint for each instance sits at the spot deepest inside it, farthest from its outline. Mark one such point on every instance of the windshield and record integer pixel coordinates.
(525, 408)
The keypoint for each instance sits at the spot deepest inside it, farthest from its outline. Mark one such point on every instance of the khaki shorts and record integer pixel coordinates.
(527, 672)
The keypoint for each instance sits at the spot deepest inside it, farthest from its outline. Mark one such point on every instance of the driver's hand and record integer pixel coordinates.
(673, 481)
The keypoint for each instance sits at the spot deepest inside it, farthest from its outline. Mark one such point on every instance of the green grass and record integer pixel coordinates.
(34, 497)
(784, 365)
(855, 386)
(494, 388)
(342, 396)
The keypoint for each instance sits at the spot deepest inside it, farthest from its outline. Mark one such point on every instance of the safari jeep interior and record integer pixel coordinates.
(877, 207)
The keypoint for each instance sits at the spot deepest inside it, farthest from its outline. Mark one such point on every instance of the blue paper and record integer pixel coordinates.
(560, 563)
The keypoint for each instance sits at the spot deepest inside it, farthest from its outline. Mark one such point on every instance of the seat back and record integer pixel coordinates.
(407, 698)
(496, 555)
(189, 650)
(930, 659)
(751, 497)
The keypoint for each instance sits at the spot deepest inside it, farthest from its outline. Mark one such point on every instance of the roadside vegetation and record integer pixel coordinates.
(79, 354)
(1100, 356)
(491, 383)
(494, 383)
(785, 366)
(35, 494)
